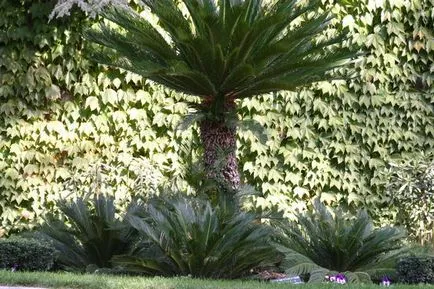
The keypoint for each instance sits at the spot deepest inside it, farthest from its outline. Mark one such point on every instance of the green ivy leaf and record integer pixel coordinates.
(92, 103)
(52, 92)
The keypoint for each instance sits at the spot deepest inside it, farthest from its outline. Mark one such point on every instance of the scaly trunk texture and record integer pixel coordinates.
(217, 136)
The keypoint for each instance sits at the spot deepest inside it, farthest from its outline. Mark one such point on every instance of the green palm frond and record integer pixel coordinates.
(73, 256)
(358, 277)
(222, 49)
(306, 268)
(317, 275)
(189, 120)
(323, 241)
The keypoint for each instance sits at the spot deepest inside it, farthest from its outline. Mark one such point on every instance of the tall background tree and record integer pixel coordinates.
(221, 51)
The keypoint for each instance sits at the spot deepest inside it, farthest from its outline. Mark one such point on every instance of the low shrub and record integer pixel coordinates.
(416, 269)
(88, 233)
(26, 255)
(411, 189)
(188, 236)
(325, 243)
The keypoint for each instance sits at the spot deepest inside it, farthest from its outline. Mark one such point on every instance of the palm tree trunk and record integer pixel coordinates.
(219, 142)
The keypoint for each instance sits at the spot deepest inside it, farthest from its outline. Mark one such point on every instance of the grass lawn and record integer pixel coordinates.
(87, 281)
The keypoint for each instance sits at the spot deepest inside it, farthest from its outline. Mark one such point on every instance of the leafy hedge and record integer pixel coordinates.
(26, 255)
(414, 270)
(60, 114)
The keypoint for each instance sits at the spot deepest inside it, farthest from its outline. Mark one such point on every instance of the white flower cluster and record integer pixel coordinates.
(339, 278)
(91, 7)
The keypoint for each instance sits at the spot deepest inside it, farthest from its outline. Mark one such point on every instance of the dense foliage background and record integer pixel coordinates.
(61, 114)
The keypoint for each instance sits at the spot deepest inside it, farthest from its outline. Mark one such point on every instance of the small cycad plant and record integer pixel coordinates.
(186, 236)
(88, 233)
(324, 242)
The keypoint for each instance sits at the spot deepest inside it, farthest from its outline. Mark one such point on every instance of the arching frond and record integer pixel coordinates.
(222, 49)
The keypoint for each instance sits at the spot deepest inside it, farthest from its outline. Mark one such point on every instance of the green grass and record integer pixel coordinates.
(69, 280)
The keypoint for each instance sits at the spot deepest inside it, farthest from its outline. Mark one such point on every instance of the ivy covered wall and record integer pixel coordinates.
(60, 113)
(336, 138)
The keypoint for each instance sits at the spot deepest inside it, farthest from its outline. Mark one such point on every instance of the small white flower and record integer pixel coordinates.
(332, 278)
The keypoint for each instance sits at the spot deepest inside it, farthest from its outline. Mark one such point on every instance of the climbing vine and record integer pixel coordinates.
(61, 115)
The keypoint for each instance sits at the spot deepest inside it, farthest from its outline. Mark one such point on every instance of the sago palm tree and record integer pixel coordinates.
(221, 51)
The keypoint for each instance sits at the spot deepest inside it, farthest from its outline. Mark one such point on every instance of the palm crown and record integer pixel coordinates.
(221, 50)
